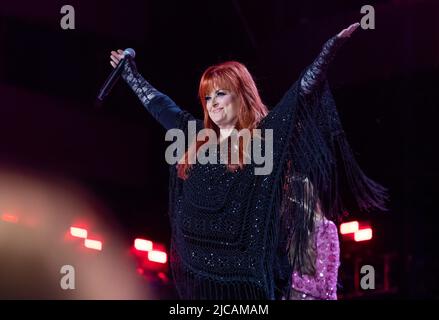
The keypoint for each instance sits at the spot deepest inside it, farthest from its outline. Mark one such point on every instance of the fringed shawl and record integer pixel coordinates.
(236, 235)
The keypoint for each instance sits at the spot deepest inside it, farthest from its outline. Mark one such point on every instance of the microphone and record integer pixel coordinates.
(128, 53)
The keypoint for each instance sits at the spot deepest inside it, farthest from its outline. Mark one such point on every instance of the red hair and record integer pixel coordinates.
(233, 76)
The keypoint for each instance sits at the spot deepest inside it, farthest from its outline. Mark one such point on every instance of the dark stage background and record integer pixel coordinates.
(385, 82)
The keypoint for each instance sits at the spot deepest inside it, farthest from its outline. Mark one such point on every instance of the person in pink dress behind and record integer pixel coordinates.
(322, 285)
(318, 278)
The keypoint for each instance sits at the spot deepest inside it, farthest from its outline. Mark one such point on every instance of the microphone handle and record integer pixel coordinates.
(111, 80)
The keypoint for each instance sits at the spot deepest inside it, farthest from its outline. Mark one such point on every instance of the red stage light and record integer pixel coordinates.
(78, 232)
(142, 244)
(363, 235)
(157, 256)
(93, 244)
(349, 227)
(9, 218)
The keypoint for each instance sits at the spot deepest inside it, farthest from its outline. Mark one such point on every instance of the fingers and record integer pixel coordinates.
(349, 30)
(116, 57)
(353, 27)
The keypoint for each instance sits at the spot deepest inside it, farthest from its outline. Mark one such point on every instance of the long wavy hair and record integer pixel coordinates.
(235, 77)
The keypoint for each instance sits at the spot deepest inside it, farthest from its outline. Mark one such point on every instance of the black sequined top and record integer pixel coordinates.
(237, 235)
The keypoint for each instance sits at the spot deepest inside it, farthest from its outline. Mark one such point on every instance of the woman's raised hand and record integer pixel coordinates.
(346, 33)
(116, 57)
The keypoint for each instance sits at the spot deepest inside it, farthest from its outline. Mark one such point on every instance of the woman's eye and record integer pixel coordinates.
(207, 98)
(220, 93)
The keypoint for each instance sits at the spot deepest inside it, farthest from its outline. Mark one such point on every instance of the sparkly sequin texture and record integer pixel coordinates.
(218, 232)
(323, 284)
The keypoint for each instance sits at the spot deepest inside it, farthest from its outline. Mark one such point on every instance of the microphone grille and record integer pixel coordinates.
(130, 52)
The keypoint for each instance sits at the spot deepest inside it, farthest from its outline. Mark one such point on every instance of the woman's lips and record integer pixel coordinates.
(216, 110)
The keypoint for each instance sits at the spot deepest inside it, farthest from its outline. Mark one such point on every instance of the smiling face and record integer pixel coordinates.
(222, 106)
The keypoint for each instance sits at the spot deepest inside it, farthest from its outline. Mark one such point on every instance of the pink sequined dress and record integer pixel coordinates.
(323, 285)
